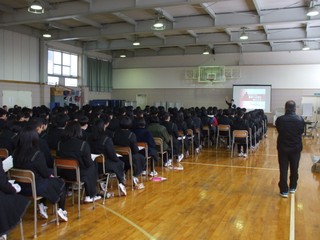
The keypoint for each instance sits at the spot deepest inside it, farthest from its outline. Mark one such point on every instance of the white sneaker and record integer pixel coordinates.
(89, 199)
(240, 154)
(123, 189)
(135, 180)
(245, 155)
(3, 237)
(63, 214)
(43, 210)
(144, 173)
(197, 150)
(153, 173)
(139, 186)
(180, 157)
(168, 163)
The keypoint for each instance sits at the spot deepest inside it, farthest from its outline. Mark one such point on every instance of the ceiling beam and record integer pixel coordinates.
(165, 14)
(208, 9)
(88, 21)
(125, 18)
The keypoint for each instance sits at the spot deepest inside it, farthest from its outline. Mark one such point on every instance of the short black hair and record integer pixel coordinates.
(290, 106)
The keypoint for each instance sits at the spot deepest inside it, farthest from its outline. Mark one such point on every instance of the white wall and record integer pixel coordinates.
(279, 76)
(19, 57)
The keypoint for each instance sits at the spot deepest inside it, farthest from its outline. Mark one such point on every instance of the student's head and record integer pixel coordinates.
(37, 123)
(72, 130)
(290, 106)
(60, 120)
(3, 113)
(140, 122)
(125, 122)
(28, 139)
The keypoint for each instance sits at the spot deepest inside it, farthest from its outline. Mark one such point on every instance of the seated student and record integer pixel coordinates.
(193, 126)
(101, 143)
(9, 135)
(144, 135)
(71, 146)
(12, 205)
(28, 155)
(172, 130)
(182, 127)
(241, 124)
(59, 121)
(39, 125)
(124, 137)
(3, 118)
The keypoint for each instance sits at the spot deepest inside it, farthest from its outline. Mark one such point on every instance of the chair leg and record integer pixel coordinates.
(56, 209)
(106, 189)
(35, 218)
(79, 193)
(21, 230)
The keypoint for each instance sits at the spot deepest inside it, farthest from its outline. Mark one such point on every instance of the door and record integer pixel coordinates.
(141, 100)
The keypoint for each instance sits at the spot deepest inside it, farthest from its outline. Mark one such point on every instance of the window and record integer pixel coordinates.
(62, 67)
(53, 80)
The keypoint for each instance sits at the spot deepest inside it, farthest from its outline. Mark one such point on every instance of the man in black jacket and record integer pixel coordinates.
(289, 144)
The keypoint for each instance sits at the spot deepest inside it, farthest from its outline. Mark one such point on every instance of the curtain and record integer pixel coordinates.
(99, 75)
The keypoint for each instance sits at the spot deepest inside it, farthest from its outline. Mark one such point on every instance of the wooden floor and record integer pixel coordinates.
(214, 197)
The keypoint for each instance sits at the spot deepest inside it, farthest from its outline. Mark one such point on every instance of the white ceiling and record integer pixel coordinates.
(110, 26)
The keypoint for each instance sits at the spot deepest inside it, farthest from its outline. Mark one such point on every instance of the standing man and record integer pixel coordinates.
(289, 144)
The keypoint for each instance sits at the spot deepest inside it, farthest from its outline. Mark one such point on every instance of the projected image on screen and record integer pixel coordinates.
(252, 96)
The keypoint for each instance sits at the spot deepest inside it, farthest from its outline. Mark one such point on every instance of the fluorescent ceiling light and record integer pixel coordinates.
(305, 47)
(46, 35)
(123, 55)
(136, 43)
(158, 24)
(36, 7)
(206, 52)
(313, 10)
(243, 35)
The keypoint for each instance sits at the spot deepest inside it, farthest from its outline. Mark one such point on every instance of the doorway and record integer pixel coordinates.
(141, 100)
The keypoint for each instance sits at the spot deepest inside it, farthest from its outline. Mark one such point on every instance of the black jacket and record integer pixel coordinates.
(290, 129)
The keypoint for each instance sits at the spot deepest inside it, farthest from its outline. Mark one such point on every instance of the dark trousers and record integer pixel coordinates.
(285, 160)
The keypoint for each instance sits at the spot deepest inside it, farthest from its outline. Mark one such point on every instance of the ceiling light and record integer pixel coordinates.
(136, 42)
(313, 10)
(36, 7)
(206, 51)
(158, 24)
(46, 34)
(123, 55)
(305, 47)
(244, 35)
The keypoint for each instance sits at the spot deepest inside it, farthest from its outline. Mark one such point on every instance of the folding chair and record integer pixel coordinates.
(126, 151)
(27, 176)
(206, 134)
(105, 176)
(198, 134)
(144, 145)
(223, 132)
(239, 134)
(181, 137)
(313, 128)
(191, 137)
(73, 165)
(3, 153)
(161, 151)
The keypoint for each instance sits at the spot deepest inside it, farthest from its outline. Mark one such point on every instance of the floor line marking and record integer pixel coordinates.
(220, 165)
(128, 221)
(292, 224)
